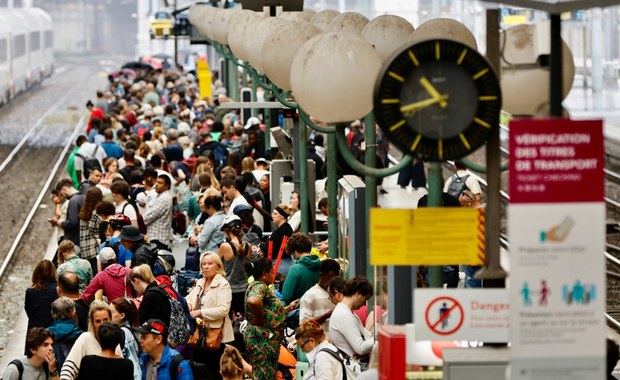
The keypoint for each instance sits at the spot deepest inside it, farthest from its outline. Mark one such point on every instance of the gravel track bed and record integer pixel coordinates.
(22, 181)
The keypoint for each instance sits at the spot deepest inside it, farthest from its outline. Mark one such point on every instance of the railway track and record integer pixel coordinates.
(38, 126)
(6, 260)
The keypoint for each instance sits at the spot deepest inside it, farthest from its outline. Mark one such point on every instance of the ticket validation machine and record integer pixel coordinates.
(352, 224)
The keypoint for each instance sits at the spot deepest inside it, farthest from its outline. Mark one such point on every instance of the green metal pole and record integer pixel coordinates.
(254, 98)
(244, 82)
(332, 196)
(370, 159)
(268, 121)
(233, 80)
(435, 189)
(302, 151)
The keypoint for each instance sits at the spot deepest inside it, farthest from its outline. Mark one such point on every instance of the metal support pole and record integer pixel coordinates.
(401, 282)
(303, 175)
(233, 80)
(244, 83)
(609, 24)
(435, 190)
(176, 41)
(596, 36)
(269, 120)
(254, 97)
(370, 159)
(492, 274)
(332, 196)
(556, 66)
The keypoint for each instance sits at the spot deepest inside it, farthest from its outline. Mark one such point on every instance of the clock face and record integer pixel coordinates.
(439, 99)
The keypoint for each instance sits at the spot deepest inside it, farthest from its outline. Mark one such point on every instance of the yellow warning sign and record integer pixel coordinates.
(427, 236)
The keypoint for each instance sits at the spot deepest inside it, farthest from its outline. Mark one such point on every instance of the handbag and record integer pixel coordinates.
(205, 337)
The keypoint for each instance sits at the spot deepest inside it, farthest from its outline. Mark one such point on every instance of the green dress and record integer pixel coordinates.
(263, 342)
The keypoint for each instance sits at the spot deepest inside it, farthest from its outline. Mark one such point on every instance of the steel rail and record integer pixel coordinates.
(36, 125)
(42, 194)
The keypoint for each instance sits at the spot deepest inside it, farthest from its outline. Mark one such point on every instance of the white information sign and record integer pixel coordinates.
(556, 222)
(462, 314)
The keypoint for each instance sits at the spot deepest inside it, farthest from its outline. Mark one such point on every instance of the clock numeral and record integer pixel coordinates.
(461, 57)
(487, 98)
(397, 125)
(482, 122)
(414, 59)
(480, 73)
(464, 140)
(396, 76)
(440, 148)
(390, 101)
(437, 51)
(415, 142)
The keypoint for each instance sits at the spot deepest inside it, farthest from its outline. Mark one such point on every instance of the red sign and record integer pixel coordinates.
(556, 161)
(444, 315)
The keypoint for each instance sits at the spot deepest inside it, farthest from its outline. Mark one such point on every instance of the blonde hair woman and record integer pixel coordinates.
(310, 338)
(247, 165)
(155, 303)
(210, 301)
(232, 365)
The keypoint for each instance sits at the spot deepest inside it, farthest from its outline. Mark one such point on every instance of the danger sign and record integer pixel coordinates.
(462, 314)
(444, 315)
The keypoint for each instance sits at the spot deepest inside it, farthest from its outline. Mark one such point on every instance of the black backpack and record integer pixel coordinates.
(199, 370)
(90, 163)
(145, 254)
(457, 185)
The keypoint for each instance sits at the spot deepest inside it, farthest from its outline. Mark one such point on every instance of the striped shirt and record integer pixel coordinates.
(314, 303)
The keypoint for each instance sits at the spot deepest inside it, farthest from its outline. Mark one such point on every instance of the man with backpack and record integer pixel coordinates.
(158, 360)
(462, 180)
(87, 158)
(124, 205)
(39, 363)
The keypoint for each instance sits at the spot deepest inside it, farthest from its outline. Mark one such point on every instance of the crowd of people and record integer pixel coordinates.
(158, 163)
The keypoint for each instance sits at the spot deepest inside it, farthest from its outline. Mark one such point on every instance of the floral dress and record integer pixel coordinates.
(263, 342)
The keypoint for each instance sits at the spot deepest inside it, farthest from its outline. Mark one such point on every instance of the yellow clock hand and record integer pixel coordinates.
(413, 107)
(432, 91)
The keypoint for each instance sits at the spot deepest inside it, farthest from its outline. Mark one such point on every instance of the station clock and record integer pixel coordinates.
(438, 99)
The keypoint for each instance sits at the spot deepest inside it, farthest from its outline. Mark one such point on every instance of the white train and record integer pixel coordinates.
(26, 49)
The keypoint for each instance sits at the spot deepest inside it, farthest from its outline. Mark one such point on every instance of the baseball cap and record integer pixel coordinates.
(239, 209)
(106, 254)
(153, 326)
(262, 161)
(252, 122)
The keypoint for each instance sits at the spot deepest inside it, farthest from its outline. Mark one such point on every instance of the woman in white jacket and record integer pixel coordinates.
(210, 301)
(322, 365)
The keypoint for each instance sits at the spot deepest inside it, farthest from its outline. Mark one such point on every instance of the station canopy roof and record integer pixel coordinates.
(557, 6)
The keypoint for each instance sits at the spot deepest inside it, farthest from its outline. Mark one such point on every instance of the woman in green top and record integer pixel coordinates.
(266, 318)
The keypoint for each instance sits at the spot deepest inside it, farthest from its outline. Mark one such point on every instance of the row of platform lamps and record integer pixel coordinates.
(330, 60)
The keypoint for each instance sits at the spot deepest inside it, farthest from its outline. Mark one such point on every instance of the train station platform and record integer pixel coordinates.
(15, 348)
